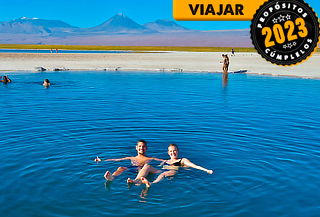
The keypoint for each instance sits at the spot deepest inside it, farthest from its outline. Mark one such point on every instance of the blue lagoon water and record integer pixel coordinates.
(259, 134)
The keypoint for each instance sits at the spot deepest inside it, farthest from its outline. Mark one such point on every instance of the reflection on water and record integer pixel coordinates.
(261, 137)
(224, 79)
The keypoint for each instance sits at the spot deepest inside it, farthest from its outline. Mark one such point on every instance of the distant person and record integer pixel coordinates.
(5, 79)
(57, 50)
(172, 166)
(137, 162)
(225, 62)
(46, 83)
(232, 52)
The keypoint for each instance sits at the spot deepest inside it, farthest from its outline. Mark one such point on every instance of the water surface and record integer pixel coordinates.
(259, 134)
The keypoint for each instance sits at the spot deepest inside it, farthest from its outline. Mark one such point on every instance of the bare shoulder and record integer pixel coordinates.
(185, 159)
(185, 162)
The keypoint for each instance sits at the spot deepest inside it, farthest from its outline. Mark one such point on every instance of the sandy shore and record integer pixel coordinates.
(167, 61)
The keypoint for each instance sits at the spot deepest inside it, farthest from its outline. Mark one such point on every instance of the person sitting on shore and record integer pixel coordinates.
(172, 166)
(5, 79)
(137, 162)
(46, 83)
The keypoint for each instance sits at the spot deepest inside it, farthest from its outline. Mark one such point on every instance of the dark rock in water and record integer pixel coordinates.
(241, 71)
(40, 69)
(60, 69)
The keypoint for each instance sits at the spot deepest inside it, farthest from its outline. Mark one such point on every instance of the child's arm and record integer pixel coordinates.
(97, 159)
(188, 163)
(157, 159)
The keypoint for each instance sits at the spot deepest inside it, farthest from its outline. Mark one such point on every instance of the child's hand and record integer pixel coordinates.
(210, 171)
(97, 159)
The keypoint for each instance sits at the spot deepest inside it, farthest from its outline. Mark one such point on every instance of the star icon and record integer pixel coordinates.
(289, 45)
(275, 20)
(285, 46)
(281, 18)
(288, 17)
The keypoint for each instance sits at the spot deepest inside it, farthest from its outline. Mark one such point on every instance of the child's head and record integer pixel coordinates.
(46, 82)
(141, 147)
(5, 79)
(173, 151)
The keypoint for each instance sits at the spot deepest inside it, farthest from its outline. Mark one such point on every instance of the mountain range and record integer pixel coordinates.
(119, 30)
(116, 24)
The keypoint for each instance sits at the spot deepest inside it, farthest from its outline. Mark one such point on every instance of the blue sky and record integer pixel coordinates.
(84, 13)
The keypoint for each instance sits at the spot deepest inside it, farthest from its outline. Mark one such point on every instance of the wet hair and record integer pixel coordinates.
(143, 141)
(47, 80)
(174, 145)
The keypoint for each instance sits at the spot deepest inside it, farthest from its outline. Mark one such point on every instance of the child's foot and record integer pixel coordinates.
(130, 181)
(108, 176)
(134, 181)
(145, 181)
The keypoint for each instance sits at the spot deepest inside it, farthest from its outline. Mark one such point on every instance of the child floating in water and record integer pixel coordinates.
(5, 79)
(138, 163)
(46, 83)
(173, 165)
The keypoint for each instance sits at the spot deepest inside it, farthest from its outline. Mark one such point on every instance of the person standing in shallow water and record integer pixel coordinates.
(225, 62)
(172, 166)
(137, 162)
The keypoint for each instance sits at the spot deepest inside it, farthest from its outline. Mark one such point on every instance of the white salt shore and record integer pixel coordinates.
(250, 63)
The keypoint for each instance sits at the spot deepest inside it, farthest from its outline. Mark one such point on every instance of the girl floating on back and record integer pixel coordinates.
(173, 165)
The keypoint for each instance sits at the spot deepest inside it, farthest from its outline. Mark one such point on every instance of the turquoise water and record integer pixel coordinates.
(259, 134)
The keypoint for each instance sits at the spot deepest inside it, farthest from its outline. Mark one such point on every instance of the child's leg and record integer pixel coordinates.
(159, 178)
(164, 174)
(108, 176)
(119, 171)
(145, 170)
(154, 170)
